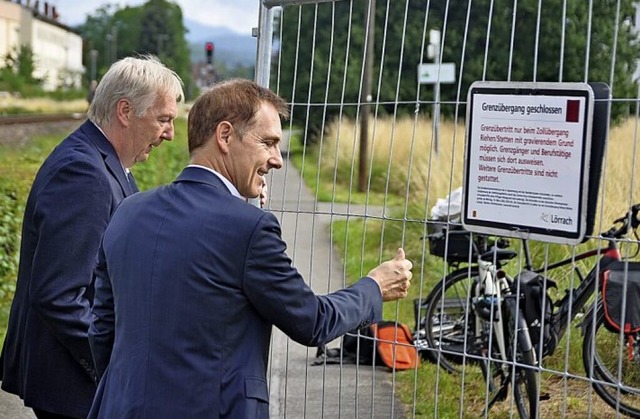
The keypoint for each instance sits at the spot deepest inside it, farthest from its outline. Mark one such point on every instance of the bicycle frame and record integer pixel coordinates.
(575, 298)
(491, 286)
(495, 284)
(489, 292)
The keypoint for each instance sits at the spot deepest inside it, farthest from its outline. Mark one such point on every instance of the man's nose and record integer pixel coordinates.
(169, 132)
(276, 160)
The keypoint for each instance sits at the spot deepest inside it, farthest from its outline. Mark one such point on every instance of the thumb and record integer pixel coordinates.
(399, 254)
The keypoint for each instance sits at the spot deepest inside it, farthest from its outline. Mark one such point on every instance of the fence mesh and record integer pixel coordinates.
(377, 135)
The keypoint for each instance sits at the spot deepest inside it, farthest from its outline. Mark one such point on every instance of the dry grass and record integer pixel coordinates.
(13, 105)
(406, 147)
(621, 175)
(42, 105)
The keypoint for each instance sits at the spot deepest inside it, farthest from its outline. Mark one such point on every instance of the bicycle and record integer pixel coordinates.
(480, 284)
(615, 380)
(457, 306)
(456, 246)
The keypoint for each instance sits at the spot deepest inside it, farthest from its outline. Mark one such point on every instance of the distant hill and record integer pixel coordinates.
(230, 47)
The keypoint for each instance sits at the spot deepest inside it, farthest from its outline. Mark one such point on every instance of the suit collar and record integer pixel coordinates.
(201, 175)
(111, 159)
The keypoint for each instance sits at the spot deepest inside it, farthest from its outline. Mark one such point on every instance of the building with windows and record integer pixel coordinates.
(57, 48)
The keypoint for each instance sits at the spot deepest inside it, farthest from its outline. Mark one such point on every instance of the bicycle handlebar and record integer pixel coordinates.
(630, 219)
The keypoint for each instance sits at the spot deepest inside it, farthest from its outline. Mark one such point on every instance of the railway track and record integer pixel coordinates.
(38, 118)
(16, 130)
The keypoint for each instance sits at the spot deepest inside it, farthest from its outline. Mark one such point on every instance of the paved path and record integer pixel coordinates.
(298, 389)
(11, 407)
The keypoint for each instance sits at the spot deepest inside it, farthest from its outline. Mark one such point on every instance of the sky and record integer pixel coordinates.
(237, 15)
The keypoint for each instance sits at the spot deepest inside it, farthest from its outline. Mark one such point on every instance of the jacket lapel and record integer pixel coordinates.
(111, 160)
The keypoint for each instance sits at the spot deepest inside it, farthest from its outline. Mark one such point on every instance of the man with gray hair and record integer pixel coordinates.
(46, 358)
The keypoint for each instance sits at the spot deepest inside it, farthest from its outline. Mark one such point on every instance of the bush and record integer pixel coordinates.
(11, 208)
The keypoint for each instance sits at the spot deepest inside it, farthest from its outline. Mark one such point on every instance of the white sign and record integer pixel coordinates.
(526, 169)
(437, 73)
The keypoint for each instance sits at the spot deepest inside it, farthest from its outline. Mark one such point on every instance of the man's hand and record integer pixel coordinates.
(393, 277)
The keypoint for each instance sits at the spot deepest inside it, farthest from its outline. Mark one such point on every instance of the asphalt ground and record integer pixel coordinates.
(298, 388)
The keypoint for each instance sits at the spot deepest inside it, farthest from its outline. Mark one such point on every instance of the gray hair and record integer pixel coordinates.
(138, 79)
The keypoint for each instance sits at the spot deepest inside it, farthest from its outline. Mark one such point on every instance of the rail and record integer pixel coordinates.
(36, 118)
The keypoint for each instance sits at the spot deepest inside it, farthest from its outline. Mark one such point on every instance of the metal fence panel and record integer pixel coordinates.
(376, 140)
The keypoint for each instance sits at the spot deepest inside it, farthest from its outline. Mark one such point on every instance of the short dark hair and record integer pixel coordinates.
(236, 101)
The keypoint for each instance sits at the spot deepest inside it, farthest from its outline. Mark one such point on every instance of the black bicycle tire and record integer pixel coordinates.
(530, 380)
(526, 375)
(600, 372)
(436, 353)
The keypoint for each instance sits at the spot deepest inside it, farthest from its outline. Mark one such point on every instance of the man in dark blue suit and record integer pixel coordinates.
(191, 277)
(46, 358)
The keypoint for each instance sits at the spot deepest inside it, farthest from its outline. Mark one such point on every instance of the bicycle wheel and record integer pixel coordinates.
(524, 374)
(449, 318)
(615, 380)
(515, 367)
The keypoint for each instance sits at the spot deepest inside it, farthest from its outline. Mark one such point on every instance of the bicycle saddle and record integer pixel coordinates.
(501, 254)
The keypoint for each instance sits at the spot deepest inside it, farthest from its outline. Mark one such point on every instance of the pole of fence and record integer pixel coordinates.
(365, 96)
(264, 33)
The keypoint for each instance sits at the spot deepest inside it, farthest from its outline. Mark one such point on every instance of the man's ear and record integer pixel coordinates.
(124, 112)
(223, 135)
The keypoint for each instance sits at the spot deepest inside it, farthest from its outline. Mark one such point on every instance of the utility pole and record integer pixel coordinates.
(160, 41)
(107, 50)
(365, 96)
(114, 42)
(93, 54)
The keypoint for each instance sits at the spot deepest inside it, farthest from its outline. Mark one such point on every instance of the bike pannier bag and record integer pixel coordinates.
(454, 242)
(615, 297)
(536, 305)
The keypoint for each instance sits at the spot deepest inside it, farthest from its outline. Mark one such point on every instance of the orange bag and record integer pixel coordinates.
(394, 344)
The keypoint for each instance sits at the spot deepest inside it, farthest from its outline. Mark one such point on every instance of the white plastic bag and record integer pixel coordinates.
(449, 208)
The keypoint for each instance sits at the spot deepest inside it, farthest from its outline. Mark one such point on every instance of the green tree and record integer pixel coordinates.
(327, 63)
(96, 32)
(162, 33)
(17, 73)
(322, 50)
(156, 28)
(24, 64)
(581, 48)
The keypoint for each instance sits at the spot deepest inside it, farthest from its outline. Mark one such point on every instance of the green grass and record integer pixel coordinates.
(331, 184)
(166, 161)
(19, 167)
(428, 384)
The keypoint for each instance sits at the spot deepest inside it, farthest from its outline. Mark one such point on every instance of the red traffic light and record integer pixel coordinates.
(208, 47)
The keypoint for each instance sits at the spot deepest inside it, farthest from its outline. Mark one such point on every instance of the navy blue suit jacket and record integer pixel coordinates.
(198, 277)
(46, 358)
